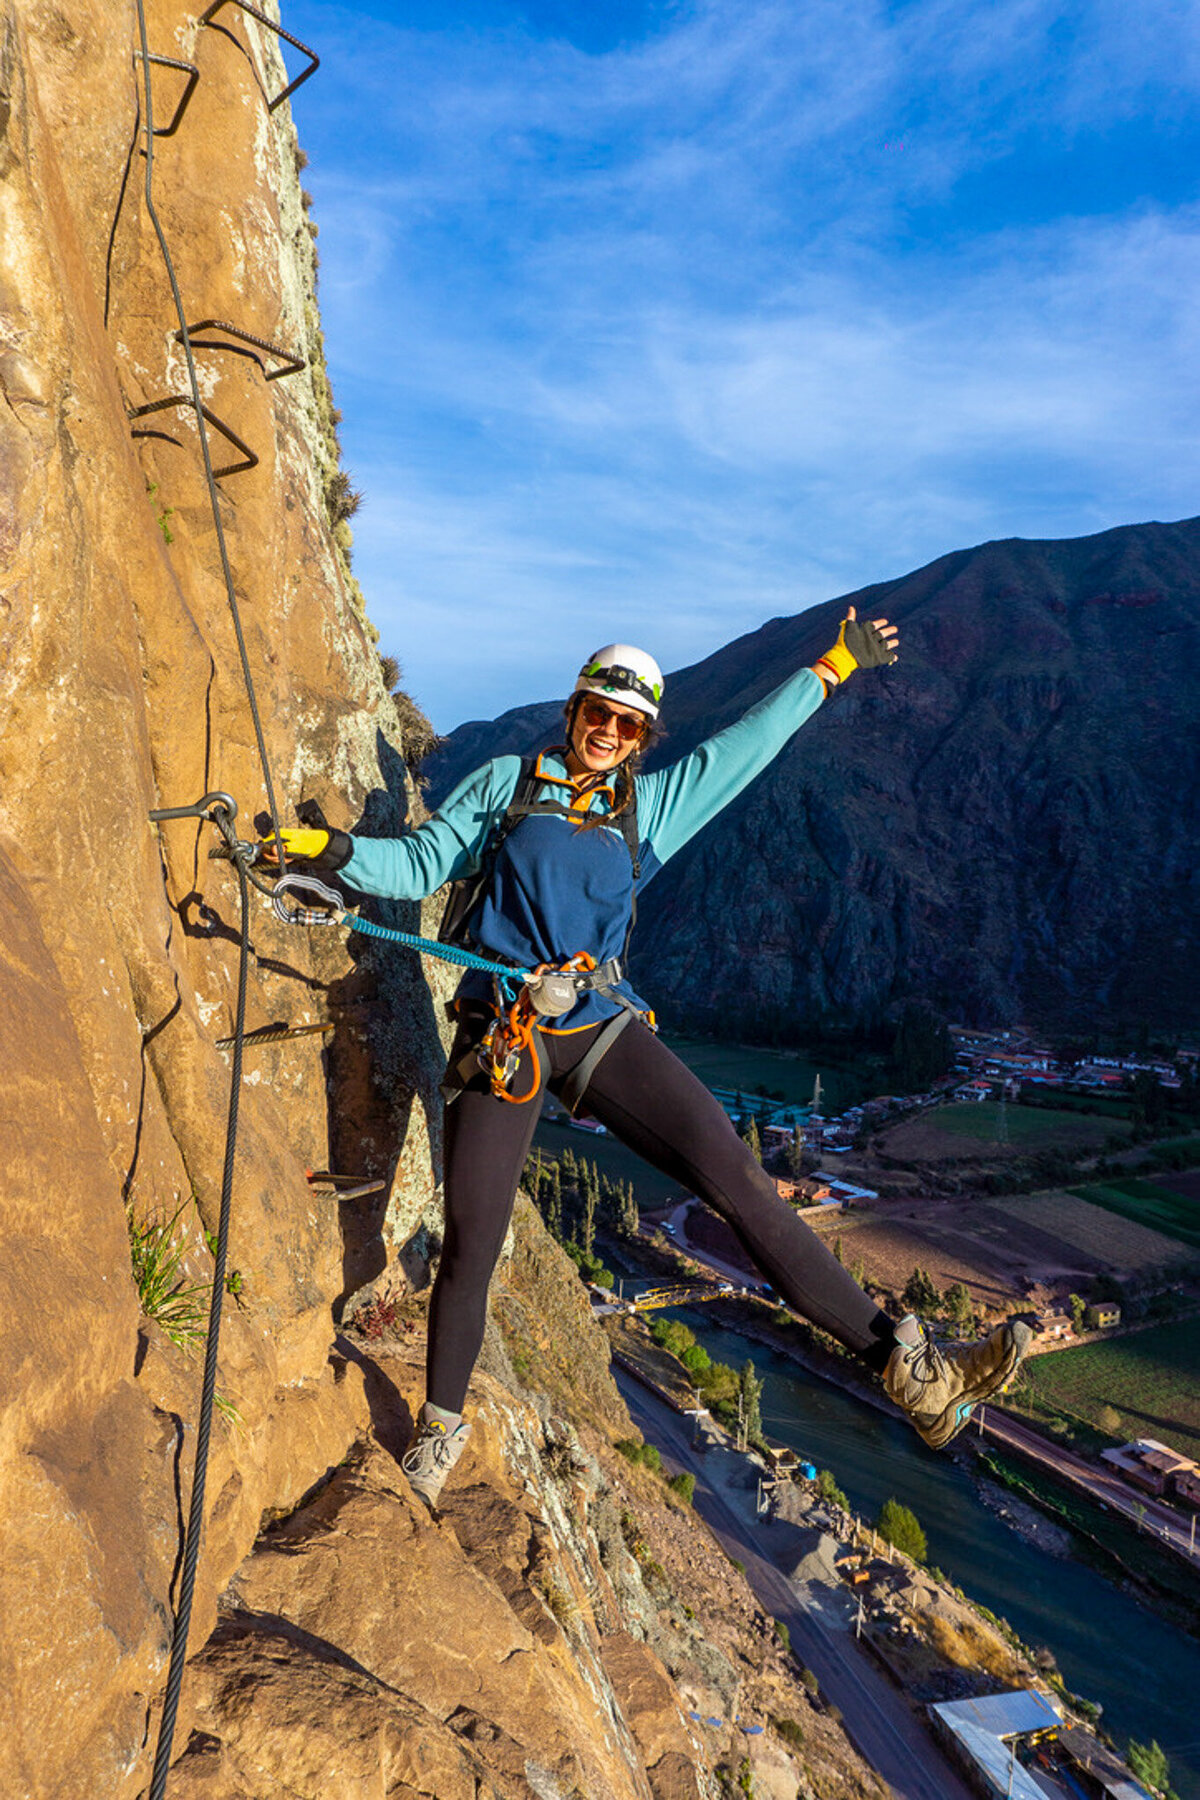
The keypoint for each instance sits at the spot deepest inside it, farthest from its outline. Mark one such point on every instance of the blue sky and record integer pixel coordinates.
(653, 321)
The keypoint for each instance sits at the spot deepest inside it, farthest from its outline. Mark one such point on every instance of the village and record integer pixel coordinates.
(863, 1201)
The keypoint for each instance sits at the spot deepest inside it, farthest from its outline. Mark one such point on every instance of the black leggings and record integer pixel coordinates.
(651, 1101)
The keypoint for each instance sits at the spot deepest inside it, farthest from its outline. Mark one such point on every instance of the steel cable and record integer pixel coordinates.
(195, 1524)
(208, 1387)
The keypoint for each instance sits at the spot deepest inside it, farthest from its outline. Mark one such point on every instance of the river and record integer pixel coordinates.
(1144, 1672)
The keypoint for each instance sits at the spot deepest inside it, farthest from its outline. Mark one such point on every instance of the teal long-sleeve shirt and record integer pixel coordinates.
(673, 804)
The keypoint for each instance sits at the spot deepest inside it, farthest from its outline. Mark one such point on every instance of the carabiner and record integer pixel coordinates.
(307, 915)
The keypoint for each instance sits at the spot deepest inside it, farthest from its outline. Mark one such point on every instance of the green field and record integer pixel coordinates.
(790, 1073)
(1147, 1204)
(1151, 1377)
(986, 1121)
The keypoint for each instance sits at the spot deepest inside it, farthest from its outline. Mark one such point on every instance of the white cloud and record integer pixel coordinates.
(646, 344)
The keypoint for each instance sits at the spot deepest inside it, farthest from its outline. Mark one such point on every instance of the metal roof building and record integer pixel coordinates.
(1113, 1777)
(981, 1728)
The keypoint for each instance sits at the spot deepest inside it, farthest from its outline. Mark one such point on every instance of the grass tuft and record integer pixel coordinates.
(165, 1293)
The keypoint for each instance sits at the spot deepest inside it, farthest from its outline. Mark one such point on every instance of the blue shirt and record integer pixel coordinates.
(556, 890)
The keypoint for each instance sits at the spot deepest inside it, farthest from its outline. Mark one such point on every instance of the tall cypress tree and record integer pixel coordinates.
(751, 1389)
(554, 1207)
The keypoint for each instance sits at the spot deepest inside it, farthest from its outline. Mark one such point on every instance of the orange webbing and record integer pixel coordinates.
(512, 1030)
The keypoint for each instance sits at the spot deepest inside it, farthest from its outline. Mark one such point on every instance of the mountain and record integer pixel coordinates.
(1006, 824)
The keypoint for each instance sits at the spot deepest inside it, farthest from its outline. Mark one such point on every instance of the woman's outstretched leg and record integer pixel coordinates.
(652, 1102)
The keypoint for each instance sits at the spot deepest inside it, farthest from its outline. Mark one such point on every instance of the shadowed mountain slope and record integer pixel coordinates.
(1006, 823)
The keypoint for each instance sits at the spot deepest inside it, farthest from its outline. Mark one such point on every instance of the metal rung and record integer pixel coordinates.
(206, 18)
(193, 76)
(274, 1034)
(292, 364)
(238, 468)
(346, 1187)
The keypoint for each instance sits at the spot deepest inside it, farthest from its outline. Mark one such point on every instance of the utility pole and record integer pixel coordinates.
(1192, 1544)
(858, 1623)
(1012, 1759)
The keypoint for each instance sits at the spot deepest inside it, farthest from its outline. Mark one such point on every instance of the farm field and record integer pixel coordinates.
(791, 1073)
(1155, 1204)
(1151, 1377)
(969, 1127)
(1098, 1236)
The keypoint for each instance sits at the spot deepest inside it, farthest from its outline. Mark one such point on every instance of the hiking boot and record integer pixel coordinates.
(440, 1441)
(939, 1388)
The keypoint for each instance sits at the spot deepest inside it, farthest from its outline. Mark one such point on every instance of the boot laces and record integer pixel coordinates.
(433, 1441)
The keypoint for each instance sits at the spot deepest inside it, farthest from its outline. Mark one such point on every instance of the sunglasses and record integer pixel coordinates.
(628, 725)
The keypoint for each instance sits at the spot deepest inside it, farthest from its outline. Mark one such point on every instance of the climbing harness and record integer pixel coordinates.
(548, 993)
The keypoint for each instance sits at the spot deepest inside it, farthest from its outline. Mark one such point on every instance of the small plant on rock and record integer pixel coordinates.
(791, 1733)
(165, 1293)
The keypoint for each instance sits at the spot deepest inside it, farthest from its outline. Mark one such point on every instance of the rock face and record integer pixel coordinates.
(1004, 824)
(120, 691)
(361, 1649)
(559, 1629)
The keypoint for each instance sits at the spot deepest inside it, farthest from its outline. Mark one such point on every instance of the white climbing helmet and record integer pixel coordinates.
(625, 674)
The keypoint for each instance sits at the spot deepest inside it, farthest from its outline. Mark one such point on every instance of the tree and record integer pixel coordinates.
(956, 1302)
(751, 1391)
(591, 1194)
(752, 1140)
(1078, 1307)
(1149, 1763)
(718, 1384)
(899, 1525)
(921, 1294)
(837, 1248)
(1149, 1107)
(829, 1490)
(554, 1212)
(923, 1048)
(1109, 1420)
(795, 1153)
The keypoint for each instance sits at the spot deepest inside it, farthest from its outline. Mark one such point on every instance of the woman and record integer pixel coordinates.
(563, 881)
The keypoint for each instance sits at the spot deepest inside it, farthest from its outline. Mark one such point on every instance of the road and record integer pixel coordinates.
(877, 1721)
(1147, 1514)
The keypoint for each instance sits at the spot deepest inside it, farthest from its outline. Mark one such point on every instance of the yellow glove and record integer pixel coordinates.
(861, 644)
(299, 842)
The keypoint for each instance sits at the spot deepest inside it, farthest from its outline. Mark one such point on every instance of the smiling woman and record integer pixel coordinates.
(557, 848)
